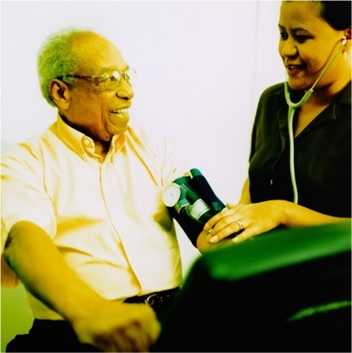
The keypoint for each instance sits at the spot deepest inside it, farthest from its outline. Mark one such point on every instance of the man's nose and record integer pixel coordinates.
(125, 90)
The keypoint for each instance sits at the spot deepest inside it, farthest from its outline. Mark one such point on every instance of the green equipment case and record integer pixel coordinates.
(286, 290)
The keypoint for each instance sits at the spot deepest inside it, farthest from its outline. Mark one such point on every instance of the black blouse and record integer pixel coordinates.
(322, 155)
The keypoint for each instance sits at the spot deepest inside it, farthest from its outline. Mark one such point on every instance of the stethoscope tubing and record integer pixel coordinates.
(293, 106)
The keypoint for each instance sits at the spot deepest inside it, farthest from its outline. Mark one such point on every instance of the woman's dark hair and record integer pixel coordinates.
(337, 13)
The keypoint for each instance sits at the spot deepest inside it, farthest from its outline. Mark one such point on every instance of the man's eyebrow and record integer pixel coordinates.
(109, 69)
(125, 68)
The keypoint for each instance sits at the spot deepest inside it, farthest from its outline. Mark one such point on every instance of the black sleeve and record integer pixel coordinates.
(268, 102)
(254, 128)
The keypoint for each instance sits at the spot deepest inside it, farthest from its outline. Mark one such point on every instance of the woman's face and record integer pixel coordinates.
(306, 41)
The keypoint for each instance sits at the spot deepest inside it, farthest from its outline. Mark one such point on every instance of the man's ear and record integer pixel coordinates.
(60, 94)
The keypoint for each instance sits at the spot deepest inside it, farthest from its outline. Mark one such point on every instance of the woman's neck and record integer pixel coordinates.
(324, 95)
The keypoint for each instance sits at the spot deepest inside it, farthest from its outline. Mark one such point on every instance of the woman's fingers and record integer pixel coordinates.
(227, 227)
(248, 233)
(214, 220)
(219, 216)
(249, 220)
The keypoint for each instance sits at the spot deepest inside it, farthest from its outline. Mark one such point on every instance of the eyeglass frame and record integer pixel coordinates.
(116, 75)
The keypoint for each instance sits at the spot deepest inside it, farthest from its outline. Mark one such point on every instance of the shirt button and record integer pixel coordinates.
(87, 142)
(271, 182)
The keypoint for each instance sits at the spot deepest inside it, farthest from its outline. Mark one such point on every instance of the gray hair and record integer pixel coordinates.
(56, 59)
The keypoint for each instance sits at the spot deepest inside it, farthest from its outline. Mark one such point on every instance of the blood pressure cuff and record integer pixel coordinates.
(191, 227)
(286, 290)
(195, 193)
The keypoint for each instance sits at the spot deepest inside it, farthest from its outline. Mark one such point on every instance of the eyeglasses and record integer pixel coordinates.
(109, 81)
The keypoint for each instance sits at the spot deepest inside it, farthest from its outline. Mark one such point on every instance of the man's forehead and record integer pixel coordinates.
(97, 55)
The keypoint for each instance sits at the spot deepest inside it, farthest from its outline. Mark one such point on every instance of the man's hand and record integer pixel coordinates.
(108, 325)
(118, 327)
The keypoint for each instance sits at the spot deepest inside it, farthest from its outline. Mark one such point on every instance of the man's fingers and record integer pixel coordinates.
(139, 339)
(150, 326)
(131, 339)
(106, 343)
(150, 323)
(135, 334)
(154, 330)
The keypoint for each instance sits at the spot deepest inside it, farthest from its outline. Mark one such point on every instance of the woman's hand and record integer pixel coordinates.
(250, 220)
(256, 218)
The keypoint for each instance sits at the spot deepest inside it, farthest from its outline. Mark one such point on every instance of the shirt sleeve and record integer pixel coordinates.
(171, 164)
(168, 164)
(24, 197)
(254, 128)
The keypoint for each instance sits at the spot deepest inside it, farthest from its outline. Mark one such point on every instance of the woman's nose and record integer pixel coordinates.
(288, 48)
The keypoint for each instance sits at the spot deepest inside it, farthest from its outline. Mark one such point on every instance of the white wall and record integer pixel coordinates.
(200, 69)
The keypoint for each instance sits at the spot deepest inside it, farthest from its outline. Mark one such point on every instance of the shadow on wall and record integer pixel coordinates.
(16, 315)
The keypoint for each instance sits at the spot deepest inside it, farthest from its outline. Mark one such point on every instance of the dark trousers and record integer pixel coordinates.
(59, 336)
(49, 336)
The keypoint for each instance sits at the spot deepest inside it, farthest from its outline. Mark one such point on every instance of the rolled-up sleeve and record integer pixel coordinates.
(23, 197)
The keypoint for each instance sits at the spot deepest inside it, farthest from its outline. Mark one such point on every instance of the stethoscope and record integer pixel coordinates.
(292, 107)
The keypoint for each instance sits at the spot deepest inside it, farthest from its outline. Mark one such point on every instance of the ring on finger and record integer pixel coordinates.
(240, 225)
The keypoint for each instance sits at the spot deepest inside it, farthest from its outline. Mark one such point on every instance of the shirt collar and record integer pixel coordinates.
(82, 144)
(342, 98)
(335, 109)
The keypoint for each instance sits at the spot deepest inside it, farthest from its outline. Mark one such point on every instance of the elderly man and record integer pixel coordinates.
(82, 224)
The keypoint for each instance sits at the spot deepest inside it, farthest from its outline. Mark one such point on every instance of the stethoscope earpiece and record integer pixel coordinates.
(344, 40)
(346, 37)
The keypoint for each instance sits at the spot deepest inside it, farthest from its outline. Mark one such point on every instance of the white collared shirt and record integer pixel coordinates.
(104, 215)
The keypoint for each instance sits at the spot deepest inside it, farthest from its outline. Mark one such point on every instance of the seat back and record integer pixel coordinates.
(280, 291)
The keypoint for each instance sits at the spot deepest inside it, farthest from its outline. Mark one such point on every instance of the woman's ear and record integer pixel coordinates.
(60, 94)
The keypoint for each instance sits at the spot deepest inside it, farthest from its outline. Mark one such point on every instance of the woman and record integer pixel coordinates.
(310, 34)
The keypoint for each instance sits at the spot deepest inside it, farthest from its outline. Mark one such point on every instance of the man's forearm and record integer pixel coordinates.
(41, 267)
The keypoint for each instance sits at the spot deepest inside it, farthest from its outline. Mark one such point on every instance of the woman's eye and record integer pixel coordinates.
(302, 38)
(283, 35)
